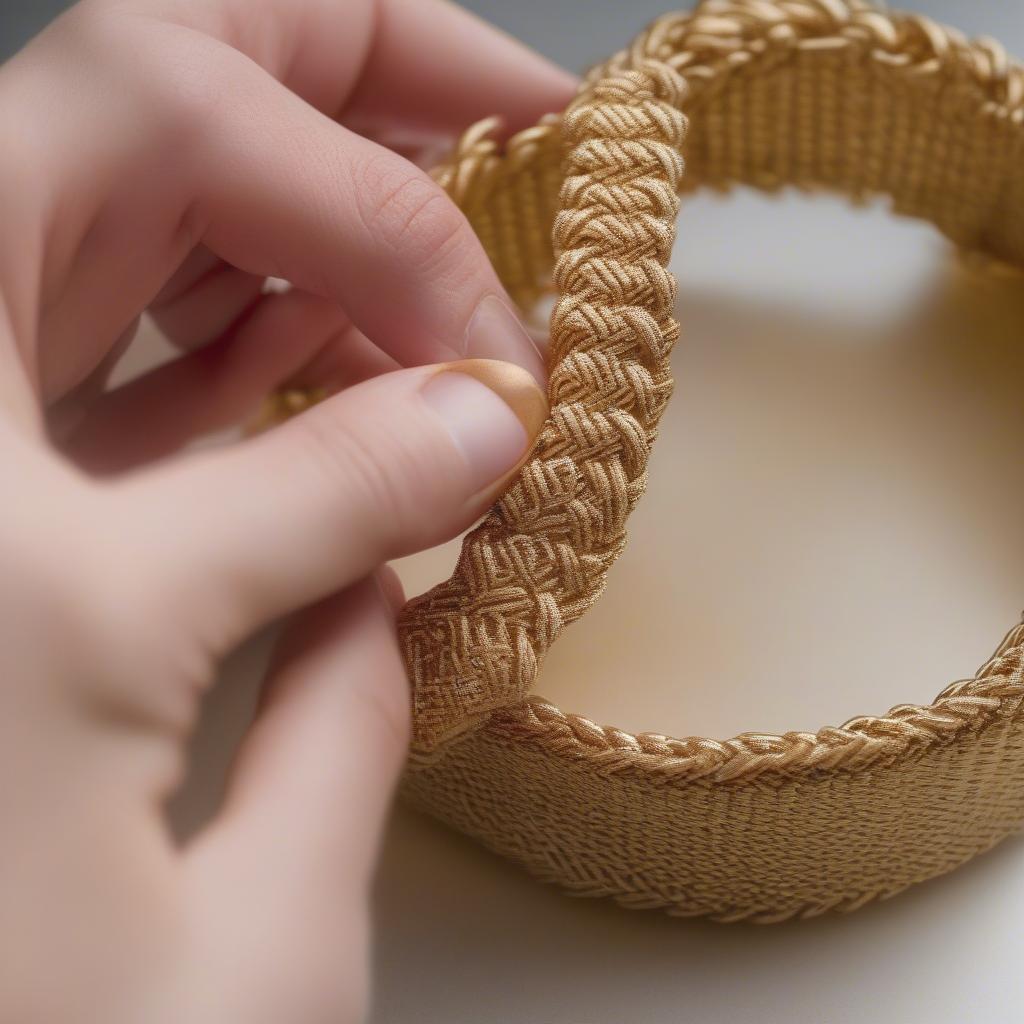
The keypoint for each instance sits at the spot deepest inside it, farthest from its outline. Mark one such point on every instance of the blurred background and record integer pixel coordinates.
(573, 32)
(833, 526)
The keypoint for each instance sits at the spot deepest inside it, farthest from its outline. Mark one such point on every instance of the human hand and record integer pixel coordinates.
(171, 155)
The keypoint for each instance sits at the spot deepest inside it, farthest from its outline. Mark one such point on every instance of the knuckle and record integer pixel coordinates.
(187, 90)
(412, 215)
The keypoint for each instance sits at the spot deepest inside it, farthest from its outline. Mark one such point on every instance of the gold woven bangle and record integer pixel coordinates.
(811, 93)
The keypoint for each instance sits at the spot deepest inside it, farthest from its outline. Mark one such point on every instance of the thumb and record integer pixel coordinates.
(391, 466)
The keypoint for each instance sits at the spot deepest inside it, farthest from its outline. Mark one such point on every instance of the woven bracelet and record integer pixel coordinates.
(815, 94)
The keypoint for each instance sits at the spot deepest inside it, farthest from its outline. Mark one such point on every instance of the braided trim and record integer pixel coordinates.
(721, 37)
(539, 560)
(907, 731)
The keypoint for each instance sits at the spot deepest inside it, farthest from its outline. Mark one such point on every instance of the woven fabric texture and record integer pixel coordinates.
(810, 93)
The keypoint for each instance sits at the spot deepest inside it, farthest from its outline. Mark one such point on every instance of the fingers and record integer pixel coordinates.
(138, 164)
(293, 850)
(292, 194)
(390, 466)
(265, 178)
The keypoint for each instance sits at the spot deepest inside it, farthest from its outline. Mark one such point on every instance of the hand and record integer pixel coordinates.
(171, 155)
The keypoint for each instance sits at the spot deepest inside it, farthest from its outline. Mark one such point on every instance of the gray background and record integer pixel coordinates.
(573, 32)
(823, 302)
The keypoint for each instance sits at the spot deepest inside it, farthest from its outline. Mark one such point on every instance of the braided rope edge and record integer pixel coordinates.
(907, 731)
(539, 559)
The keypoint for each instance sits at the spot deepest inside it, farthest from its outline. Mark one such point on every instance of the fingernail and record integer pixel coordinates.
(493, 412)
(495, 332)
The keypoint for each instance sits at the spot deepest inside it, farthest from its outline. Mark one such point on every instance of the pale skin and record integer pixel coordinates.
(169, 155)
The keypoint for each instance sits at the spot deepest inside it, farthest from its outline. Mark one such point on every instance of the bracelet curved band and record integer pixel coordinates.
(816, 94)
